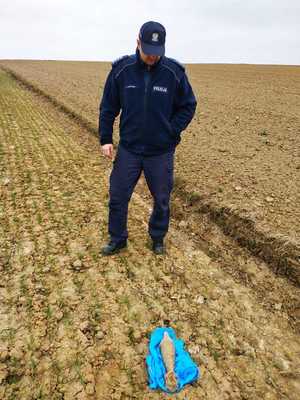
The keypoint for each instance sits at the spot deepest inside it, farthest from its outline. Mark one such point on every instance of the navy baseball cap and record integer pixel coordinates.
(153, 36)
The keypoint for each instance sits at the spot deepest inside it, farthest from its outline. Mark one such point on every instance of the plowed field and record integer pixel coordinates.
(75, 325)
(242, 149)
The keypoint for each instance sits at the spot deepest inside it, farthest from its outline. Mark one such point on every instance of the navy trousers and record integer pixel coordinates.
(158, 172)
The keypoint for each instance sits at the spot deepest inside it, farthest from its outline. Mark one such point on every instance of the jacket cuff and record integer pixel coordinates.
(106, 140)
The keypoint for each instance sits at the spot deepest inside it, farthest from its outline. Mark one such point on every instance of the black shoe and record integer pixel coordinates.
(158, 247)
(113, 248)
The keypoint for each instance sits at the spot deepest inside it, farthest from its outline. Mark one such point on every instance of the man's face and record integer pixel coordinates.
(148, 59)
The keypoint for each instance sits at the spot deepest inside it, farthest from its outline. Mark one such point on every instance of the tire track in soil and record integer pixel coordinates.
(77, 323)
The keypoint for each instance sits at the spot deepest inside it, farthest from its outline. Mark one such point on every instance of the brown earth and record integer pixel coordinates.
(242, 148)
(75, 325)
(239, 160)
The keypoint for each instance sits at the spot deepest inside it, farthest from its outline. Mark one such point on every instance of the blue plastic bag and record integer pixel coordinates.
(185, 369)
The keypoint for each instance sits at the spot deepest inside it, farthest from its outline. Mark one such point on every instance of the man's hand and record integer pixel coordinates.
(108, 150)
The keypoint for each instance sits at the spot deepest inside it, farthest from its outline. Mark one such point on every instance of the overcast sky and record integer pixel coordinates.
(200, 31)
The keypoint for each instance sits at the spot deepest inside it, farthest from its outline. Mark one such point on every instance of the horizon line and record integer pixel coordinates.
(110, 61)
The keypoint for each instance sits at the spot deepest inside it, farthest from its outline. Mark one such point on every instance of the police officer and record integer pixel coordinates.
(157, 104)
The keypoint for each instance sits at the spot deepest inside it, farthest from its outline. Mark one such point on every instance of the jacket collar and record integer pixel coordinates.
(143, 65)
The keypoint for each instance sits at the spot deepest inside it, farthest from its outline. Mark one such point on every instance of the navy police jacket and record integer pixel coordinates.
(157, 104)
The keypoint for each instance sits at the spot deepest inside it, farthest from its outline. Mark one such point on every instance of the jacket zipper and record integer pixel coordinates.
(147, 78)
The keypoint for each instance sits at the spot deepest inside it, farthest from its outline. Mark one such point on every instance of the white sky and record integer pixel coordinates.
(201, 31)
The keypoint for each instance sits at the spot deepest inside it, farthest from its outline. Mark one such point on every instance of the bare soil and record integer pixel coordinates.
(75, 325)
(238, 160)
(242, 149)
